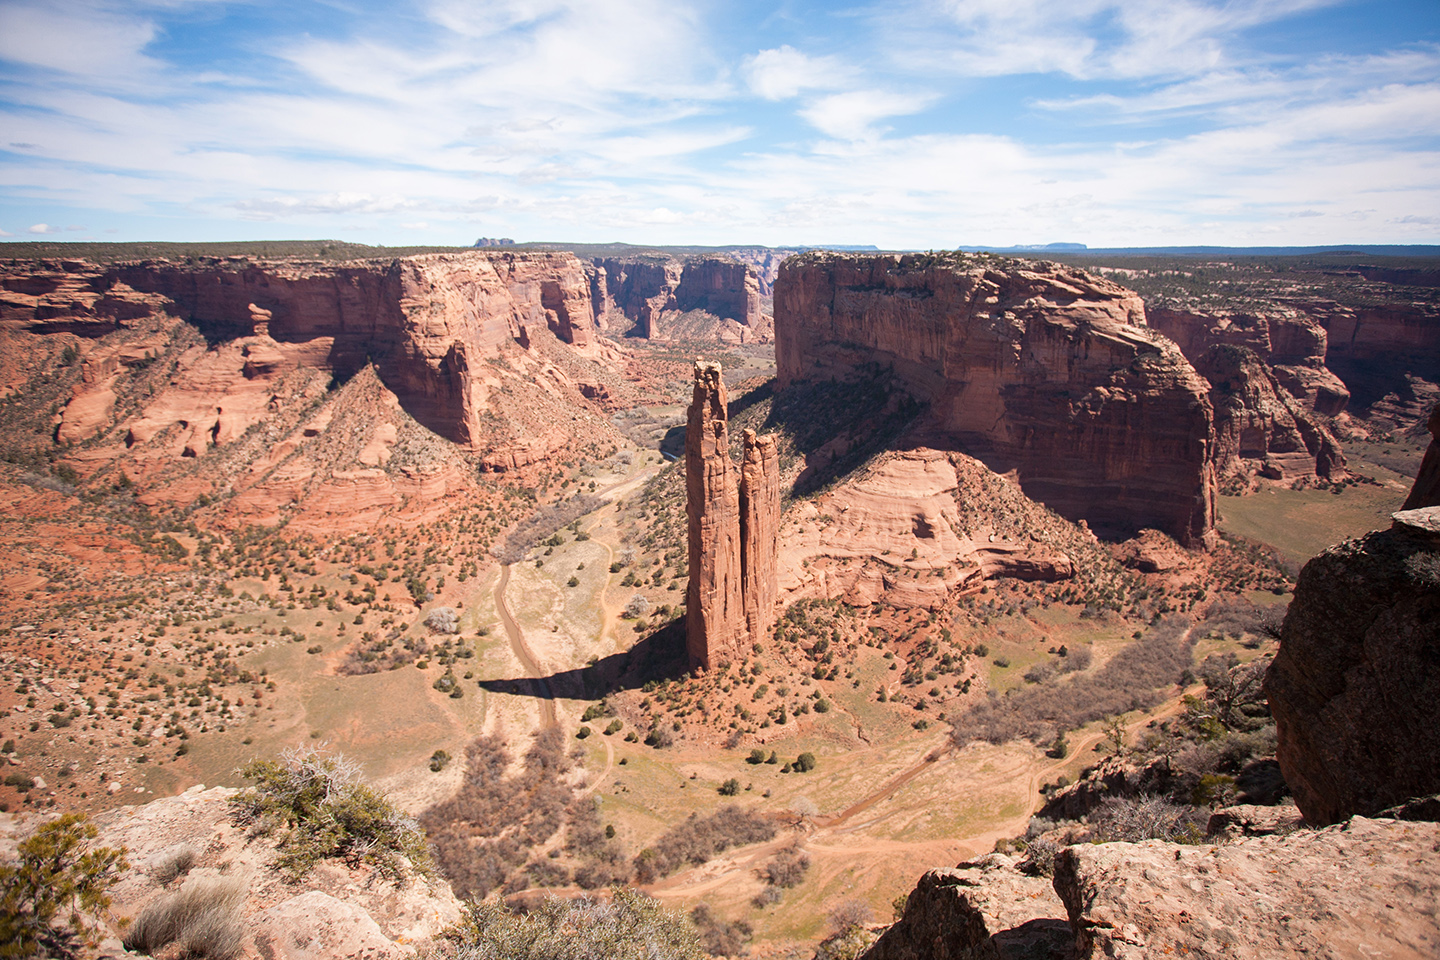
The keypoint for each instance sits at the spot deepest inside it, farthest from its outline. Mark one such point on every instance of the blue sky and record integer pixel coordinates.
(904, 124)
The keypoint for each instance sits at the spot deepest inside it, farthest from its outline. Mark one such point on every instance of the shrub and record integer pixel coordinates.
(729, 788)
(719, 937)
(443, 620)
(582, 733)
(1040, 857)
(756, 756)
(805, 762)
(328, 812)
(1149, 818)
(630, 926)
(203, 918)
(696, 840)
(439, 760)
(173, 862)
(56, 876)
(787, 868)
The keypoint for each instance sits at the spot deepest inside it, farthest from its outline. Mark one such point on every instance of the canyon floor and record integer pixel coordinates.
(171, 673)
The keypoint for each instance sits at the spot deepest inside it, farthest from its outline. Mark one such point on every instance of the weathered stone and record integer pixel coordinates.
(1254, 820)
(714, 608)
(1369, 888)
(701, 297)
(759, 532)
(734, 519)
(1425, 492)
(317, 926)
(981, 910)
(1032, 367)
(1355, 687)
(1258, 426)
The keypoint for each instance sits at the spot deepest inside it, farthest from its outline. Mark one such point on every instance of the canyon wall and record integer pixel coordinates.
(1353, 686)
(1425, 491)
(661, 296)
(1032, 367)
(733, 519)
(428, 323)
(1290, 342)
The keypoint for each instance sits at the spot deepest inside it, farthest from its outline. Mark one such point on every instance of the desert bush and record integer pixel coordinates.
(1040, 857)
(1233, 688)
(637, 606)
(729, 788)
(720, 937)
(173, 862)
(697, 839)
(787, 868)
(328, 812)
(1131, 680)
(629, 926)
(443, 620)
(203, 919)
(1148, 818)
(543, 524)
(55, 875)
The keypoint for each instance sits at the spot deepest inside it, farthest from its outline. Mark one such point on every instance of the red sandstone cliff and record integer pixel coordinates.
(734, 520)
(703, 297)
(714, 608)
(1425, 492)
(257, 366)
(1289, 341)
(1259, 427)
(1034, 367)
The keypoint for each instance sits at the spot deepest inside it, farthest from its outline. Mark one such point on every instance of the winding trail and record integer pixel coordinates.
(522, 652)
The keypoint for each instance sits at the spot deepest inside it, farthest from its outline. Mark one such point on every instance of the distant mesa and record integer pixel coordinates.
(494, 242)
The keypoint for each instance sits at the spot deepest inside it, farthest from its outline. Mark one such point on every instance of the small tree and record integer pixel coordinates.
(443, 620)
(730, 787)
(56, 877)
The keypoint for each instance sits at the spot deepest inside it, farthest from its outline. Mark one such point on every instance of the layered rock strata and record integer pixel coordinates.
(1425, 492)
(1354, 686)
(733, 519)
(439, 330)
(1259, 428)
(1033, 367)
(1287, 340)
(661, 296)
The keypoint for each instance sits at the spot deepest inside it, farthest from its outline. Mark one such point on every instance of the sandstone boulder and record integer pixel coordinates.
(1354, 685)
(316, 926)
(981, 910)
(1368, 888)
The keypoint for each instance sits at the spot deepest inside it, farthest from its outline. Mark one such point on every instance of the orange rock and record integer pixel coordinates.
(715, 612)
(759, 532)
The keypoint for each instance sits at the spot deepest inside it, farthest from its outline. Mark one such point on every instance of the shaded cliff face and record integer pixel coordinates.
(1292, 345)
(1259, 428)
(707, 297)
(1033, 367)
(1425, 492)
(1353, 686)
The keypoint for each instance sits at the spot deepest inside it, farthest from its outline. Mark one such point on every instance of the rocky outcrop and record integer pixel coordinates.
(1373, 345)
(759, 531)
(733, 517)
(981, 910)
(702, 297)
(1259, 428)
(336, 911)
(919, 525)
(497, 352)
(1347, 891)
(1366, 888)
(1425, 492)
(1353, 686)
(1287, 340)
(1033, 367)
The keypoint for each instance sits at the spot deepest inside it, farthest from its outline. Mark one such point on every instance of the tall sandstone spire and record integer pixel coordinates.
(734, 519)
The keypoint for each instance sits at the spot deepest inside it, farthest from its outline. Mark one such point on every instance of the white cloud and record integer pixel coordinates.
(43, 228)
(851, 116)
(784, 72)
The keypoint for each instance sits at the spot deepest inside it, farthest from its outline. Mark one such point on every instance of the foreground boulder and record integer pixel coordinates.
(1354, 686)
(982, 909)
(1368, 888)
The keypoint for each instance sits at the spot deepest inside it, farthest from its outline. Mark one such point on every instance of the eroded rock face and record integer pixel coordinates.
(656, 293)
(1353, 687)
(1425, 492)
(1367, 888)
(1033, 367)
(733, 519)
(981, 909)
(1259, 428)
(1287, 340)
